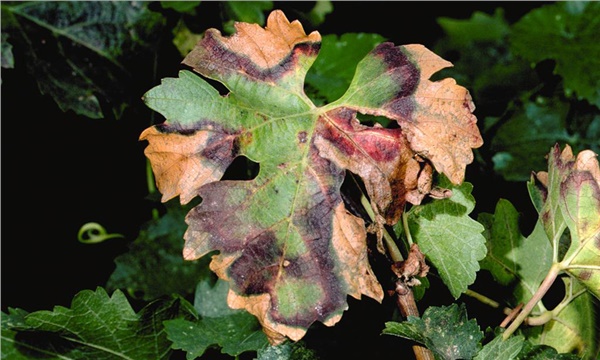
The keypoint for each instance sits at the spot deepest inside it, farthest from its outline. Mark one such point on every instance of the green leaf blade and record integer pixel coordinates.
(449, 238)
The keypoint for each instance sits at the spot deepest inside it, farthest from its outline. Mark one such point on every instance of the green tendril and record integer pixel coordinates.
(94, 233)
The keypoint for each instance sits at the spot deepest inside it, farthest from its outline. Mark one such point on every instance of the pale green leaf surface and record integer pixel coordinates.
(572, 330)
(8, 60)
(450, 239)
(445, 330)
(501, 349)
(567, 33)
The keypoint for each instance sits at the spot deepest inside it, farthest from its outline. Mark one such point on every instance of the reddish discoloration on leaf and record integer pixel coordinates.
(380, 156)
(265, 54)
(290, 250)
(184, 160)
(436, 116)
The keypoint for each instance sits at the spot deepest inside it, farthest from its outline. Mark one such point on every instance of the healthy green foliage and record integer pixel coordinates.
(95, 327)
(457, 257)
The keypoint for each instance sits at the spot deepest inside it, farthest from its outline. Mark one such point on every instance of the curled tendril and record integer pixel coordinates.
(94, 233)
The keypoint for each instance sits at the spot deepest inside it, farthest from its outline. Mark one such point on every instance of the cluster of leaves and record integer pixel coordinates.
(286, 243)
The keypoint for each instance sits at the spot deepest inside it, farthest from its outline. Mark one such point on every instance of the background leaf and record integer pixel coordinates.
(146, 271)
(564, 32)
(78, 51)
(235, 331)
(95, 327)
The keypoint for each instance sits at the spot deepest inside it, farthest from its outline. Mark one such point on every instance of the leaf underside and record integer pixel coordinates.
(290, 250)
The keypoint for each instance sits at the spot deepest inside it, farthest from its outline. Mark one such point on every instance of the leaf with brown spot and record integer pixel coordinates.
(290, 250)
(571, 191)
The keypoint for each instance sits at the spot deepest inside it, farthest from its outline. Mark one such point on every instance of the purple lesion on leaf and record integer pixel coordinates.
(214, 57)
(405, 73)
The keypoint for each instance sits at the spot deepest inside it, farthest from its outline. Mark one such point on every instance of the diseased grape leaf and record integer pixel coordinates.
(450, 239)
(235, 331)
(563, 32)
(289, 248)
(79, 51)
(445, 330)
(95, 327)
(154, 259)
(570, 190)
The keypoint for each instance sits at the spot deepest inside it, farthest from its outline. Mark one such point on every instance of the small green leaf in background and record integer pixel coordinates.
(235, 331)
(245, 11)
(188, 7)
(332, 71)
(567, 33)
(155, 258)
(450, 239)
(521, 143)
(95, 327)
(77, 51)
(8, 60)
(445, 330)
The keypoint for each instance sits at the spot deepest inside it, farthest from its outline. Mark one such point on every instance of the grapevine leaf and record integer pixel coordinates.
(501, 349)
(287, 351)
(95, 327)
(8, 60)
(446, 331)
(543, 352)
(154, 259)
(235, 331)
(521, 143)
(245, 11)
(562, 32)
(573, 329)
(333, 70)
(450, 239)
(92, 39)
(570, 190)
(580, 205)
(509, 252)
(289, 248)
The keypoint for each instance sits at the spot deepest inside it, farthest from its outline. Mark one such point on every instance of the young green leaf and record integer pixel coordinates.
(445, 330)
(451, 240)
(289, 248)
(235, 331)
(95, 327)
